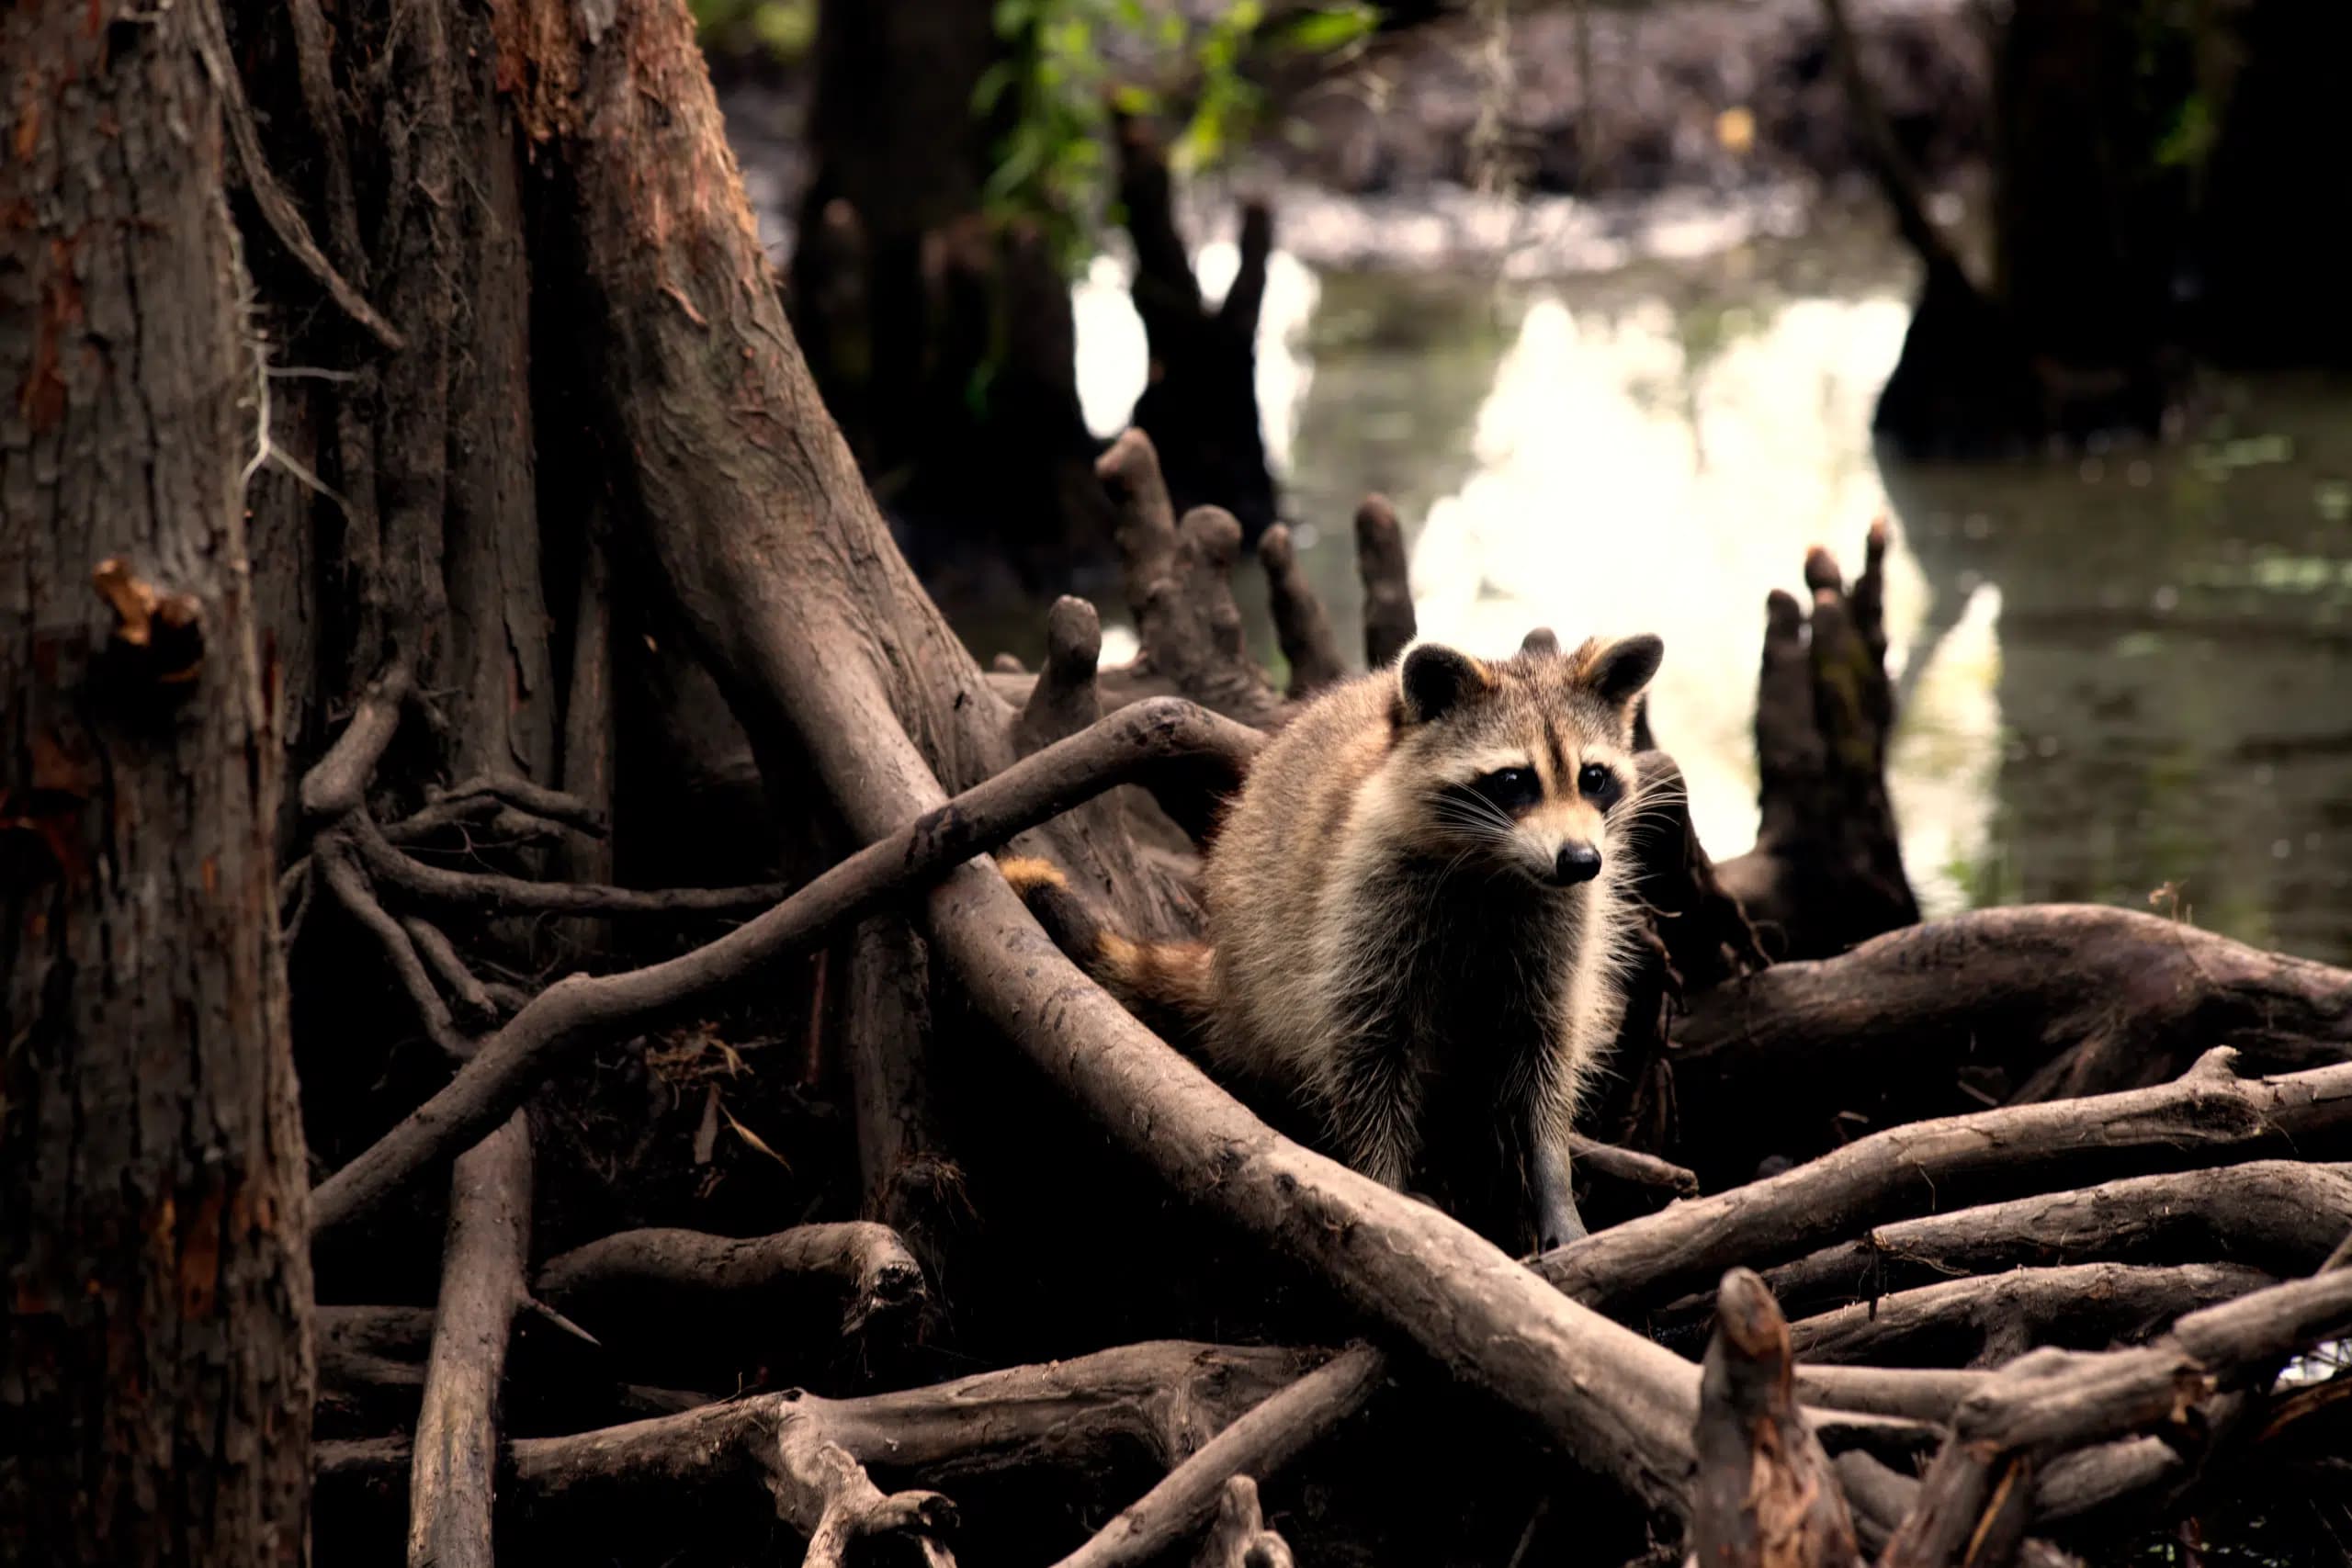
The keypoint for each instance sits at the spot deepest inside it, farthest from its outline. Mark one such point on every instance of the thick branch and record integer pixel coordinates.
(2004, 1436)
(1159, 1400)
(2000, 1316)
(1611, 1398)
(1258, 1444)
(580, 1011)
(864, 1263)
(481, 1287)
(2208, 1116)
(2281, 1217)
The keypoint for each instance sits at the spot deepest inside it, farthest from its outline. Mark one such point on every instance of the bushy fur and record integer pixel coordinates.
(1401, 955)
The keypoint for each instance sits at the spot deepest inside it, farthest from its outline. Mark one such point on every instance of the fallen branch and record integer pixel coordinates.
(1980, 1486)
(1631, 1166)
(1998, 1317)
(2281, 1217)
(868, 1264)
(456, 1461)
(1159, 1400)
(581, 1011)
(2208, 1116)
(1257, 1444)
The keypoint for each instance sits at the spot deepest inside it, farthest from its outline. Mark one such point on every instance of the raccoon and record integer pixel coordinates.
(1416, 921)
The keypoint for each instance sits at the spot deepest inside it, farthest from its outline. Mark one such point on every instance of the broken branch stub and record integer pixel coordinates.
(1764, 1495)
(1389, 626)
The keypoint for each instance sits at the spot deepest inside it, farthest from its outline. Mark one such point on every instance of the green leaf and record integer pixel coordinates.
(1329, 30)
(992, 86)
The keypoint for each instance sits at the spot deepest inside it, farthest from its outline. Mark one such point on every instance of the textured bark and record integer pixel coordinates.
(1764, 1495)
(862, 1267)
(2208, 1115)
(1160, 1401)
(155, 1357)
(1991, 1320)
(2281, 1217)
(481, 1287)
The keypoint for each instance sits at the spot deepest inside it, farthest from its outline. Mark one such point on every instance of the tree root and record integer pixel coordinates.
(1995, 1319)
(2039, 1003)
(2207, 1114)
(1258, 1444)
(1162, 1400)
(2280, 1216)
(481, 1287)
(876, 1276)
(580, 1011)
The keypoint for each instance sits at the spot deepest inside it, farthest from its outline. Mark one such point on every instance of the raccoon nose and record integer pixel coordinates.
(1577, 862)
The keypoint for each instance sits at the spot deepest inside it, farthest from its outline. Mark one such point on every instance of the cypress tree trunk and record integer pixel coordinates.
(156, 1370)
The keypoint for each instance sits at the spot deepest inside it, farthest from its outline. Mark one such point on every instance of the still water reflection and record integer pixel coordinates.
(2118, 673)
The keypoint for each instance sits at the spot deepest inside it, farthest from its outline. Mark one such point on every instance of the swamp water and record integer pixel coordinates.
(2118, 673)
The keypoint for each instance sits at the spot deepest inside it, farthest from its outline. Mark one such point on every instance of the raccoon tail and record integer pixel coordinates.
(1170, 986)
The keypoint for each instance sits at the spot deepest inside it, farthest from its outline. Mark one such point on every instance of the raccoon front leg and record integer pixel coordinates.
(1373, 1106)
(1557, 1222)
(1551, 1114)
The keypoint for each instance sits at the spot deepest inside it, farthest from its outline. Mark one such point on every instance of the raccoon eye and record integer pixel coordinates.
(1513, 789)
(1599, 784)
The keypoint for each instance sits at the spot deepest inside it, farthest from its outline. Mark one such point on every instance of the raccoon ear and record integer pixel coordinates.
(1435, 680)
(1619, 671)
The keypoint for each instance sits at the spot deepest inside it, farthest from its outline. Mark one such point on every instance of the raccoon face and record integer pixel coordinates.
(1526, 764)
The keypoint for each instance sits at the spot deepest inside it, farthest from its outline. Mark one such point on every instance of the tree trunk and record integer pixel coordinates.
(156, 1377)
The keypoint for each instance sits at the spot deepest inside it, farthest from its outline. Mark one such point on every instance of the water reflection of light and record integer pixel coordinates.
(1114, 360)
(1943, 771)
(1638, 475)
